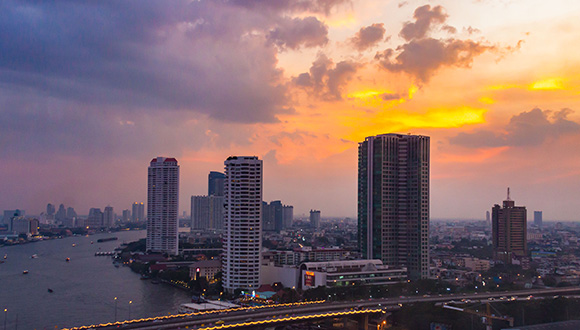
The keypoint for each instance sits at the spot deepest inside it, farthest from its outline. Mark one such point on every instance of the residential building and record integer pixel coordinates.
(288, 211)
(314, 218)
(509, 230)
(162, 205)
(242, 239)
(95, 219)
(393, 201)
(126, 216)
(108, 217)
(207, 212)
(538, 219)
(138, 212)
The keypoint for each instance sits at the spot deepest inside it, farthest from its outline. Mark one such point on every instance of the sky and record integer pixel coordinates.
(91, 91)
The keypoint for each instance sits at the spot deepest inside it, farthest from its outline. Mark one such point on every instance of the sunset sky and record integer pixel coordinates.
(90, 92)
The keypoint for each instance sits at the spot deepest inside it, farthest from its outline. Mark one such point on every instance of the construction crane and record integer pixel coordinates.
(487, 318)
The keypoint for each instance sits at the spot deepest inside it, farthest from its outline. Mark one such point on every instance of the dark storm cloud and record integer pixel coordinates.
(204, 57)
(529, 128)
(368, 36)
(425, 18)
(421, 56)
(296, 32)
(326, 79)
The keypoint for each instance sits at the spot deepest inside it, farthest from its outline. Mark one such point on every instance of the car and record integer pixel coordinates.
(220, 322)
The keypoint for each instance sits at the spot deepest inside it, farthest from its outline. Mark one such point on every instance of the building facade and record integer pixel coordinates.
(207, 212)
(95, 219)
(215, 183)
(108, 217)
(509, 230)
(315, 218)
(393, 201)
(242, 238)
(538, 219)
(162, 205)
(138, 212)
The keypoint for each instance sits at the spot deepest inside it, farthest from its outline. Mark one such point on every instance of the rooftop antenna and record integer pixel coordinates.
(508, 196)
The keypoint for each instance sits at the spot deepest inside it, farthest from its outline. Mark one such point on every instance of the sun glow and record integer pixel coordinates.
(547, 84)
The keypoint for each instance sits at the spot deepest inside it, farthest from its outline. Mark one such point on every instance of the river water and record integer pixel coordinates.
(84, 289)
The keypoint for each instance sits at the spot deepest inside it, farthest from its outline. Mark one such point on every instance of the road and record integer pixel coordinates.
(314, 310)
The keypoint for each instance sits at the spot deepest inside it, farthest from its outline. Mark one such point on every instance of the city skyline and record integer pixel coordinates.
(499, 101)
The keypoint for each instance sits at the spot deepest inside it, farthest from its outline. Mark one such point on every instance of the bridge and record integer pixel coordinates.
(278, 314)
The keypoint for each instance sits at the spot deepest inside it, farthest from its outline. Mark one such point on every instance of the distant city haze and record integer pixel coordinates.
(297, 84)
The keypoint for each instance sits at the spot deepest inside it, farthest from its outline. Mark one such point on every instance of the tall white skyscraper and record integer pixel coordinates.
(243, 229)
(162, 205)
(393, 201)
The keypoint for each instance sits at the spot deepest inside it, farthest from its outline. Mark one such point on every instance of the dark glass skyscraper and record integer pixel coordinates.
(215, 184)
(393, 201)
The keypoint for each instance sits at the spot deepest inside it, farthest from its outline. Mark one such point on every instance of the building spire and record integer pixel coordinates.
(508, 194)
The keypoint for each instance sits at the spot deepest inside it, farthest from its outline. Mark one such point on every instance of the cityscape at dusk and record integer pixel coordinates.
(290, 164)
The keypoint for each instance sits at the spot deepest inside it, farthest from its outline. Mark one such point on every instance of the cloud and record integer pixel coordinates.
(296, 32)
(325, 79)
(531, 128)
(425, 17)
(313, 6)
(368, 36)
(423, 57)
(205, 57)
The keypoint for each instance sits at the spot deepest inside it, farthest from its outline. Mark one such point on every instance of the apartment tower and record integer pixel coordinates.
(162, 205)
(243, 229)
(509, 232)
(393, 201)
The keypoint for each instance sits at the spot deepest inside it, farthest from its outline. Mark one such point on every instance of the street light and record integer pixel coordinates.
(5, 316)
(130, 303)
(115, 309)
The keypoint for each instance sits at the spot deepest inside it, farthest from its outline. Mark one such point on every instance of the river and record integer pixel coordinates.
(84, 289)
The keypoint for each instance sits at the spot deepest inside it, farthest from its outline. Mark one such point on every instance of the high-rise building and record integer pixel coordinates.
(126, 216)
(9, 214)
(288, 216)
(60, 215)
(50, 209)
(315, 219)
(278, 215)
(162, 205)
(138, 212)
(200, 212)
(509, 232)
(268, 221)
(108, 217)
(71, 213)
(538, 219)
(393, 201)
(207, 212)
(95, 219)
(243, 232)
(487, 218)
(215, 183)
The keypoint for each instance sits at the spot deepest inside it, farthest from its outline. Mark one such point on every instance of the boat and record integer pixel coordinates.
(74, 245)
(25, 272)
(50, 290)
(92, 242)
(101, 240)
(5, 256)
(67, 259)
(34, 256)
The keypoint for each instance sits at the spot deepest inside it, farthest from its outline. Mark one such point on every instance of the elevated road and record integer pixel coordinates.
(240, 317)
